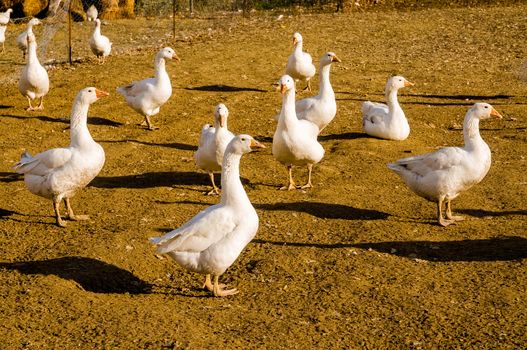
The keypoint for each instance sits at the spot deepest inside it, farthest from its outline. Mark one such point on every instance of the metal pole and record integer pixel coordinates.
(69, 33)
(174, 19)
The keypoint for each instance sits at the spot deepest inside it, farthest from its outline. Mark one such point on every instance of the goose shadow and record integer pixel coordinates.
(222, 88)
(344, 136)
(43, 118)
(479, 213)
(6, 107)
(5, 213)
(177, 145)
(492, 249)
(327, 210)
(91, 274)
(154, 179)
(103, 121)
(10, 177)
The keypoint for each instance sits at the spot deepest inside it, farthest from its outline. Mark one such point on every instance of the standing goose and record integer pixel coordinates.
(295, 141)
(442, 175)
(320, 109)
(148, 95)
(92, 13)
(34, 80)
(100, 45)
(211, 241)
(212, 144)
(387, 121)
(2, 36)
(59, 172)
(300, 64)
(21, 39)
(5, 17)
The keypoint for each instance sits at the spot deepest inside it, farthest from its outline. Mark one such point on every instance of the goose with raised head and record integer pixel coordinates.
(300, 64)
(295, 141)
(148, 95)
(387, 121)
(212, 144)
(58, 173)
(92, 13)
(442, 175)
(34, 79)
(5, 17)
(212, 240)
(21, 39)
(100, 45)
(320, 109)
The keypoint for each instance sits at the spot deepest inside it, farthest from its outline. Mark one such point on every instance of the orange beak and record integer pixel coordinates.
(175, 57)
(223, 120)
(283, 88)
(408, 83)
(100, 93)
(256, 144)
(335, 59)
(496, 114)
(295, 41)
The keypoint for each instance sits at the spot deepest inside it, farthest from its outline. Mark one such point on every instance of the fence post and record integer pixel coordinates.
(69, 33)
(191, 7)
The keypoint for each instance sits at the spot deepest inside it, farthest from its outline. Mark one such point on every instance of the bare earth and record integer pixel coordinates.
(357, 262)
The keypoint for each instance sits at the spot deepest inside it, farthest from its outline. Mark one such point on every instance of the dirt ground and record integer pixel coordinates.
(357, 262)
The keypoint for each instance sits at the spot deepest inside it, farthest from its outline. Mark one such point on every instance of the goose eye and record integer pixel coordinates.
(243, 139)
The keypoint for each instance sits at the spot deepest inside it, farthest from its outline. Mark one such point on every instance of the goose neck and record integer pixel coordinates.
(288, 112)
(471, 133)
(232, 193)
(79, 133)
(325, 84)
(160, 67)
(32, 57)
(391, 99)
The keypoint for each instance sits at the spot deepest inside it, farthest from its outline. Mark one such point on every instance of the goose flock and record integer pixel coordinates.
(210, 242)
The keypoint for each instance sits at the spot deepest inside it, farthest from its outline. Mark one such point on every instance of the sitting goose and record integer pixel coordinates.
(34, 79)
(59, 172)
(148, 95)
(442, 175)
(320, 109)
(212, 240)
(295, 141)
(300, 64)
(387, 121)
(212, 144)
(100, 45)
(21, 39)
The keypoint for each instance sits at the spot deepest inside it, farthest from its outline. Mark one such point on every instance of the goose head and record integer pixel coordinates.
(97, 22)
(297, 38)
(396, 82)
(286, 83)
(220, 114)
(8, 12)
(168, 53)
(33, 22)
(483, 110)
(243, 143)
(328, 58)
(90, 94)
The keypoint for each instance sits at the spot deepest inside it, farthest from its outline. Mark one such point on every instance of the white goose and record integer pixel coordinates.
(211, 241)
(21, 39)
(387, 121)
(320, 109)
(5, 17)
(100, 45)
(212, 144)
(440, 176)
(92, 13)
(295, 141)
(59, 172)
(34, 80)
(2, 36)
(148, 95)
(300, 64)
